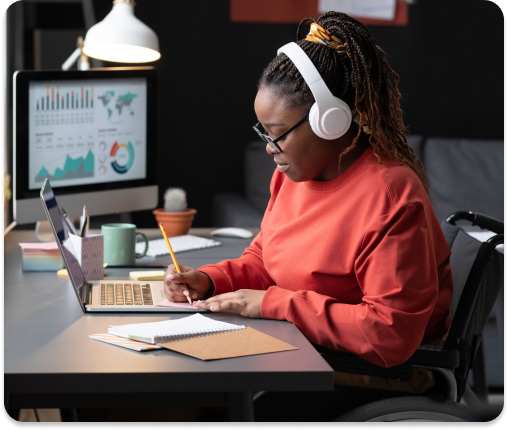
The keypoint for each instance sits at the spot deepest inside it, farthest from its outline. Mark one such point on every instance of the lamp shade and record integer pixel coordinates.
(121, 37)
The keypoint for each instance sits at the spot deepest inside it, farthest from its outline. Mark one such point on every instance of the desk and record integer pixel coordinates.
(49, 361)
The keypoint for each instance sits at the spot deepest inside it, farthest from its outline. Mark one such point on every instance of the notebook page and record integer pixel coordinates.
(167, 330)
(125, 343)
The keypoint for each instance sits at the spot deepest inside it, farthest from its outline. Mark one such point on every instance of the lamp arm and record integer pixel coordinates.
(83, 64)
(72, 59)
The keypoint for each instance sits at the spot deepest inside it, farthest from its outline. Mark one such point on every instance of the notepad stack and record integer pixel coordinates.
(40, 257)
(201, 337)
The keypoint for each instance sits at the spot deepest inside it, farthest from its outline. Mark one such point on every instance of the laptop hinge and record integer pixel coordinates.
(87, 294)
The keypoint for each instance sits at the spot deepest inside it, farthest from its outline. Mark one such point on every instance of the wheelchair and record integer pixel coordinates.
(477, 272)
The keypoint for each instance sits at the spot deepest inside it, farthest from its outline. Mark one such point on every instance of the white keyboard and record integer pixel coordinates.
(178, 244)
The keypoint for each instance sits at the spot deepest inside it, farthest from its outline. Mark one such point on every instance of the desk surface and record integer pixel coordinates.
(47, 349)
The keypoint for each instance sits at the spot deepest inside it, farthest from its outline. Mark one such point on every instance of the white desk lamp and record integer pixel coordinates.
(120, 37)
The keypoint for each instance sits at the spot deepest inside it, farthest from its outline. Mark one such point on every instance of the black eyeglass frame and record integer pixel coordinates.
(273, 142)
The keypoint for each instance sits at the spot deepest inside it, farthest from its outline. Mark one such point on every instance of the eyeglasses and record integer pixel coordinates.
(273, 142)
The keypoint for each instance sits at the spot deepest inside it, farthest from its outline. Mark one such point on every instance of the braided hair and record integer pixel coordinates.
(361, 77)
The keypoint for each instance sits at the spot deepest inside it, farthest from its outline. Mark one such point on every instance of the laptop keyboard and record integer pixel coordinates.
(126, 294)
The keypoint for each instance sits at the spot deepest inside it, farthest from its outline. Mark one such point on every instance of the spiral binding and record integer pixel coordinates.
(188, 334)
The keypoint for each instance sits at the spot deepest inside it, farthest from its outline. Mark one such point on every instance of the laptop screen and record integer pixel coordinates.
(62, 239)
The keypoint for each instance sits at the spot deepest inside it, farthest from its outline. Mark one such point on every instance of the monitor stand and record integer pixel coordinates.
(43, 231)
(45, 234)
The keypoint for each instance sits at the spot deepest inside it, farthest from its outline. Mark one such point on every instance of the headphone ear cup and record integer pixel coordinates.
(336, 121)
(339, 115)
(314, 121)
(346, 114)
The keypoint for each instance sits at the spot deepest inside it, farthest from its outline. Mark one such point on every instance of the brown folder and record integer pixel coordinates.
(237, 343)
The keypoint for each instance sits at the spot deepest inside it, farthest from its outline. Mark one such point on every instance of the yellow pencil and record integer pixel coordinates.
(177, 267)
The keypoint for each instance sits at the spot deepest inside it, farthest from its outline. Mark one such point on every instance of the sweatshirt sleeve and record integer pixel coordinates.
(248, 271)
(396, 271)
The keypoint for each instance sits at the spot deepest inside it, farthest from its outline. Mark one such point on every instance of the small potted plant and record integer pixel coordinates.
(175, 216)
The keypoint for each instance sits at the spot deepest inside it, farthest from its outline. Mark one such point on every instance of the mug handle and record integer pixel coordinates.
(146, 245)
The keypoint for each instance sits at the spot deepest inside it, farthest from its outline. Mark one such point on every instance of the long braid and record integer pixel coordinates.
(362, 78)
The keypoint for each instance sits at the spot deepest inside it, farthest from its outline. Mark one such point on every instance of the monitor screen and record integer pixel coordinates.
(93, 134)
(87, 132)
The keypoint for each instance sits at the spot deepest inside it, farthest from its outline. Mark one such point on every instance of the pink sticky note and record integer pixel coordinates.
(167, 304)
(47, 246)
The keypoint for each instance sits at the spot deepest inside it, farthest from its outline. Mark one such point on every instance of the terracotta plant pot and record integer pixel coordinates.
(175, 223)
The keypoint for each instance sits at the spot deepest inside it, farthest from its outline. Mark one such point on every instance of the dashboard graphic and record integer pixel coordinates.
(87, 131)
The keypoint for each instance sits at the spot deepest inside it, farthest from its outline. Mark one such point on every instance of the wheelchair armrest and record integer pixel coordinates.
(435, 356)
(350, 363)
(424, 356)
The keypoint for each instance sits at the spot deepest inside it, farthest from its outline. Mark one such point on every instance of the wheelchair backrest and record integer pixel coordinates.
(477, 272)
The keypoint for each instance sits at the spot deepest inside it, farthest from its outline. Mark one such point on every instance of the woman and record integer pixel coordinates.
(350, 250)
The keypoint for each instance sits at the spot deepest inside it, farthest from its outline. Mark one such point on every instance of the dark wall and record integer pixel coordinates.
(449, 58)
(450, 62)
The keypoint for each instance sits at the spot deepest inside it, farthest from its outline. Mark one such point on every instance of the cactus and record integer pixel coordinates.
(175, 200)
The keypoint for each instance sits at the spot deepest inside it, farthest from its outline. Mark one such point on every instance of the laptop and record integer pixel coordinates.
(108, 295)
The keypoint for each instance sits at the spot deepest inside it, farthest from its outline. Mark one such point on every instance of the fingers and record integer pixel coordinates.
(180, 285)
(188, 276)
(175, 296)
(243, 302)
(221, 306)
(222, 303)
(186, 272)
(175, 284)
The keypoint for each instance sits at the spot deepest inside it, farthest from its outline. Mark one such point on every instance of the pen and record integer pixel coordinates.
(83, 220)
(177, 267)
(70, 225)
(84, 228)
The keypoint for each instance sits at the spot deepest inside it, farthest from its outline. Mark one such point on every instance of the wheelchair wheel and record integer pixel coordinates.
(412, 408)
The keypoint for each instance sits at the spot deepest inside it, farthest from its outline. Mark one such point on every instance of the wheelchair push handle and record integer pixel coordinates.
(479, 219)
(489, 223)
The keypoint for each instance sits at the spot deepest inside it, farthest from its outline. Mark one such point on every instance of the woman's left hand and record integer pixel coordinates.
(243, 302)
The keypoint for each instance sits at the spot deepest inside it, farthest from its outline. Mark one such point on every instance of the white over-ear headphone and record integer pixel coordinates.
(329, 117)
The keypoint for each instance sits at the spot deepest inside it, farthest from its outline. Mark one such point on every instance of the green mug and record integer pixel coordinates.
(120, 244)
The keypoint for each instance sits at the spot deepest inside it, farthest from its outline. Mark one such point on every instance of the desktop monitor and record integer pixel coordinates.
(92, 133)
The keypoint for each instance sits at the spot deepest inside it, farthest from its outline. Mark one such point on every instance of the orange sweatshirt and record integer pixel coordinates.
(358, 263)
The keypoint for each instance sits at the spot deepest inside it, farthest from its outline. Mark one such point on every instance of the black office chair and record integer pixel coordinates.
(477, 271)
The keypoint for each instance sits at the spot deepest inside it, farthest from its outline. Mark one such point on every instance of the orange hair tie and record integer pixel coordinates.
(318, 34)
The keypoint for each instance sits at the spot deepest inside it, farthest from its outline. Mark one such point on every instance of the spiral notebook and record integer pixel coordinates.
(203, 338)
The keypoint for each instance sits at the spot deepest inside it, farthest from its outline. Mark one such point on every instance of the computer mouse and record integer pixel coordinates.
(232, 232)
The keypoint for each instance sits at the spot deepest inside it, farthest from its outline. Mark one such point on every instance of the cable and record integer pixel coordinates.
(37, 416)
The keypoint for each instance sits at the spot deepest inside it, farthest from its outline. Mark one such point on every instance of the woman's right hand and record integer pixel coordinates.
(199, 284)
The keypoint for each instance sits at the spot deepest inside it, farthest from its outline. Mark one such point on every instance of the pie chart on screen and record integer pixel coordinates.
(123, 155)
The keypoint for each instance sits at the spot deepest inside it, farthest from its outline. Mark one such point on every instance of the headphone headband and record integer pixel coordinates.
(322, 95)
(330, 117)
